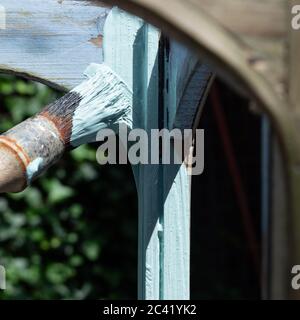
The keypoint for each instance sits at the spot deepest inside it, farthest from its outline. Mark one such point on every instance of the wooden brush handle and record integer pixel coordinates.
(26, 151)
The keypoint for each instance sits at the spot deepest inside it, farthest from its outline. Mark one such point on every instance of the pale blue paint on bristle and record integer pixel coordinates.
(106, 102)
(33, 169)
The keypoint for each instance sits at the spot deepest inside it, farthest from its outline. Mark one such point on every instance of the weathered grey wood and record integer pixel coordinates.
(43, 35)
(262, 26)
(248, 17)
(51, 40)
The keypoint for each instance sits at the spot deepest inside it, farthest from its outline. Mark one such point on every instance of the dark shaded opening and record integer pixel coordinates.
(221, 262)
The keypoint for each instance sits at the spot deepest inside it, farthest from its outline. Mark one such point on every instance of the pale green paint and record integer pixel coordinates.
(106, 103)
(33, 169)
(131, 49)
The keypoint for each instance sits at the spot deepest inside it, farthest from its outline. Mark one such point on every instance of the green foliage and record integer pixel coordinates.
(73, 233)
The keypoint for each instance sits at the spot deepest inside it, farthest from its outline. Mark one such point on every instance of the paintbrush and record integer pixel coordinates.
(101, 101)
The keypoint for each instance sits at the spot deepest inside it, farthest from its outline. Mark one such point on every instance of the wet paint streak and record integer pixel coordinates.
(103, 100)
(106, 101)
(33, 169)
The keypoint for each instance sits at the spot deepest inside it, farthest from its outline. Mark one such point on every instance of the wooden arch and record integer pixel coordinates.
(251, 44)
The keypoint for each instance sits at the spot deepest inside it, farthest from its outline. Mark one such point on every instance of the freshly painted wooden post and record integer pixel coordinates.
(159, 79)
(131, 49)
(188, 82)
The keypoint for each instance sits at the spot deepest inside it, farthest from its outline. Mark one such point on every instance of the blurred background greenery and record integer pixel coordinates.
(73, 233)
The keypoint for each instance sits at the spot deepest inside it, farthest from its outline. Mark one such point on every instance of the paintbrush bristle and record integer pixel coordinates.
(101, 101)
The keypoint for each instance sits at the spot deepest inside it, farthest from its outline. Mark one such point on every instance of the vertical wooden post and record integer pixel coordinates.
(131, 49)
(187, 82)
(158, 74)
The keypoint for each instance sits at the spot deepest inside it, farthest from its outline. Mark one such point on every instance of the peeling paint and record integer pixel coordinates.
(54, 42)
(97, 41)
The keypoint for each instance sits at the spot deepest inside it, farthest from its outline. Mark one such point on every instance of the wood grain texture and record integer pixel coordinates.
(135, 51)
(188, 83)
(264, 51)
(248, 17)
(52, 41)
(131, 49)
(261, 26)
